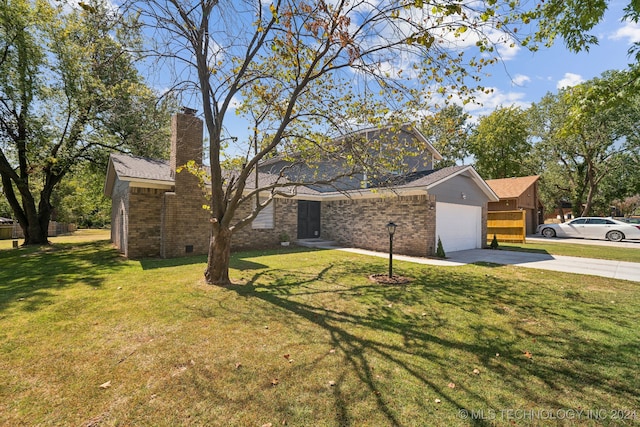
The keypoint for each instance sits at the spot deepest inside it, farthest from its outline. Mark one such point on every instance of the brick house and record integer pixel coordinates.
(157, 212)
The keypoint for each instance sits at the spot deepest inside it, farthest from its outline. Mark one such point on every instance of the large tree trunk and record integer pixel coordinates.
(38, 230)
(217, 272)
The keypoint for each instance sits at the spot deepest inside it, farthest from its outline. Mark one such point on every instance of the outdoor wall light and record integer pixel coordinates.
(463, 195)
(391, 228)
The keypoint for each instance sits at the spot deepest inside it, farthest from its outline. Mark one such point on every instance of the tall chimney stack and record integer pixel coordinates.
(186, 143)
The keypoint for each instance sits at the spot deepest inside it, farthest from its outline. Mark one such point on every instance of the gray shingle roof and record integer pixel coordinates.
(141, 168)
(430, 177)
(129, 167)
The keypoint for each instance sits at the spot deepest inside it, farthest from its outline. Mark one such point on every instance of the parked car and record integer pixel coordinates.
(629, 220)
(592, 228)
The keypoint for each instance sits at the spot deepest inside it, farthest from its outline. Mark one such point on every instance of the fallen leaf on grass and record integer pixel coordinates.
(106, 385)
(476, 371)
(438, 401)
(451, 385)
(286, 356)
(528, 355)
(267, 425)
(333, 350)
(332, 383)
(238, 365)
(274, 381)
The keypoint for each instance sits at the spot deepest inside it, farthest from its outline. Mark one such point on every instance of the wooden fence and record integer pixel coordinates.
(507, 226)
(13, 231)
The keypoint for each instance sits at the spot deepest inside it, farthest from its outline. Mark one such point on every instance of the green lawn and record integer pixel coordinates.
(304, 338)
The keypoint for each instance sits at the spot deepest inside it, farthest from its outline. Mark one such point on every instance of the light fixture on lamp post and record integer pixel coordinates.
(391, 228)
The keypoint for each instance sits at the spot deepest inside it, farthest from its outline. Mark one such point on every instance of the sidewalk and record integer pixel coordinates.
(596, 267)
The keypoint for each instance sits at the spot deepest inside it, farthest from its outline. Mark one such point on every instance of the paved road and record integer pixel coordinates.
(596, 267)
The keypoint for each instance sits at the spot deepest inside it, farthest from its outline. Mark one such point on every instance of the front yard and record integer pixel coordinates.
(304, 338)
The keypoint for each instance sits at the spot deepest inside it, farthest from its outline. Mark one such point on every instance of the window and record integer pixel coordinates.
(597, 221)
(578, 221)
(264, 220)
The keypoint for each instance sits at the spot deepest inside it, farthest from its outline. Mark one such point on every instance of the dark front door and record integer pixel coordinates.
(308, 219)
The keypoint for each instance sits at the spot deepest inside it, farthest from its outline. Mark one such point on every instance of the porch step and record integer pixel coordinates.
(316, 243)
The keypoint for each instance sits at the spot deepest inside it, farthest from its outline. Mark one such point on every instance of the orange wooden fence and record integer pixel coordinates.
(507, 226)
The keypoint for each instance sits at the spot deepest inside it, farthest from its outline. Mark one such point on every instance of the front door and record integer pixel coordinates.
(308, 219)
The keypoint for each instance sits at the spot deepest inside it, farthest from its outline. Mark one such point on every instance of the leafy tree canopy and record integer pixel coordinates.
(500, 143)
(449, 131)
(69, 93)
(586, 139)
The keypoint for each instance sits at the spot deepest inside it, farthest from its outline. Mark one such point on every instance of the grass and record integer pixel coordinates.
(305, 339)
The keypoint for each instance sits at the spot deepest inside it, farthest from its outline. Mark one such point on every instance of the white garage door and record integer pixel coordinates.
(459, 226)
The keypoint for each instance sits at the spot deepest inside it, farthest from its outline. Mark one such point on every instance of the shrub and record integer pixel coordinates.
(440, 251)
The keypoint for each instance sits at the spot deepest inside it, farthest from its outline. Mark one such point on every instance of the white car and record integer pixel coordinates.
(592, 228)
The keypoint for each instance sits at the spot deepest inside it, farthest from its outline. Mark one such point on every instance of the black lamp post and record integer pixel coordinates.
(391, 228)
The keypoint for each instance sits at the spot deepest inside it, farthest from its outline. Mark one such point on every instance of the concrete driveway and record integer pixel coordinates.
(631, 244)
(596, 267)
(568, 264)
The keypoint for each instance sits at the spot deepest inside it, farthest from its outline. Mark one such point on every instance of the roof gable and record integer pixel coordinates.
(125, 167)
(433, 178)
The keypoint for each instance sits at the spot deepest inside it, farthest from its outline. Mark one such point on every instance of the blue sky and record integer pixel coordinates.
(526, 77)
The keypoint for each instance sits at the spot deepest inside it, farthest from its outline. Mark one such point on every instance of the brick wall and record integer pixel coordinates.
(145, 205)
(285, 221)
(362, 223)
(119, 215)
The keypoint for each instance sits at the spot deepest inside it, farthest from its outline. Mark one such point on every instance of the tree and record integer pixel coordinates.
(303, 72)
(448, 131)
(67, 84)
(586, 137)
(573, 21)
(80, 198)
(500, 143)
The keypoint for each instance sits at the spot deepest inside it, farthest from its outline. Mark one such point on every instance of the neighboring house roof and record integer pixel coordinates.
(511, 188)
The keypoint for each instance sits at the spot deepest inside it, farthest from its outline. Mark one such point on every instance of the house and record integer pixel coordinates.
(519, 193)
(158, 212)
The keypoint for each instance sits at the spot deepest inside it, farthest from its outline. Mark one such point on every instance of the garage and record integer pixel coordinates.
(458, 226)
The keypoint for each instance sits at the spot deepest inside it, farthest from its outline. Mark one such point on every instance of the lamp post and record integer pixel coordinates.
(391, 228)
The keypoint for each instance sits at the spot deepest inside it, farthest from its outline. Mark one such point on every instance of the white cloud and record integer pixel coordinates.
(629, 32)
(570, 79)
(520, 80)
(486, 103)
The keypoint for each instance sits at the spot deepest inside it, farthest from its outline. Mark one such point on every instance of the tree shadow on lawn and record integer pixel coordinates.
(563, 363)
(238, 260)
(30, 274)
